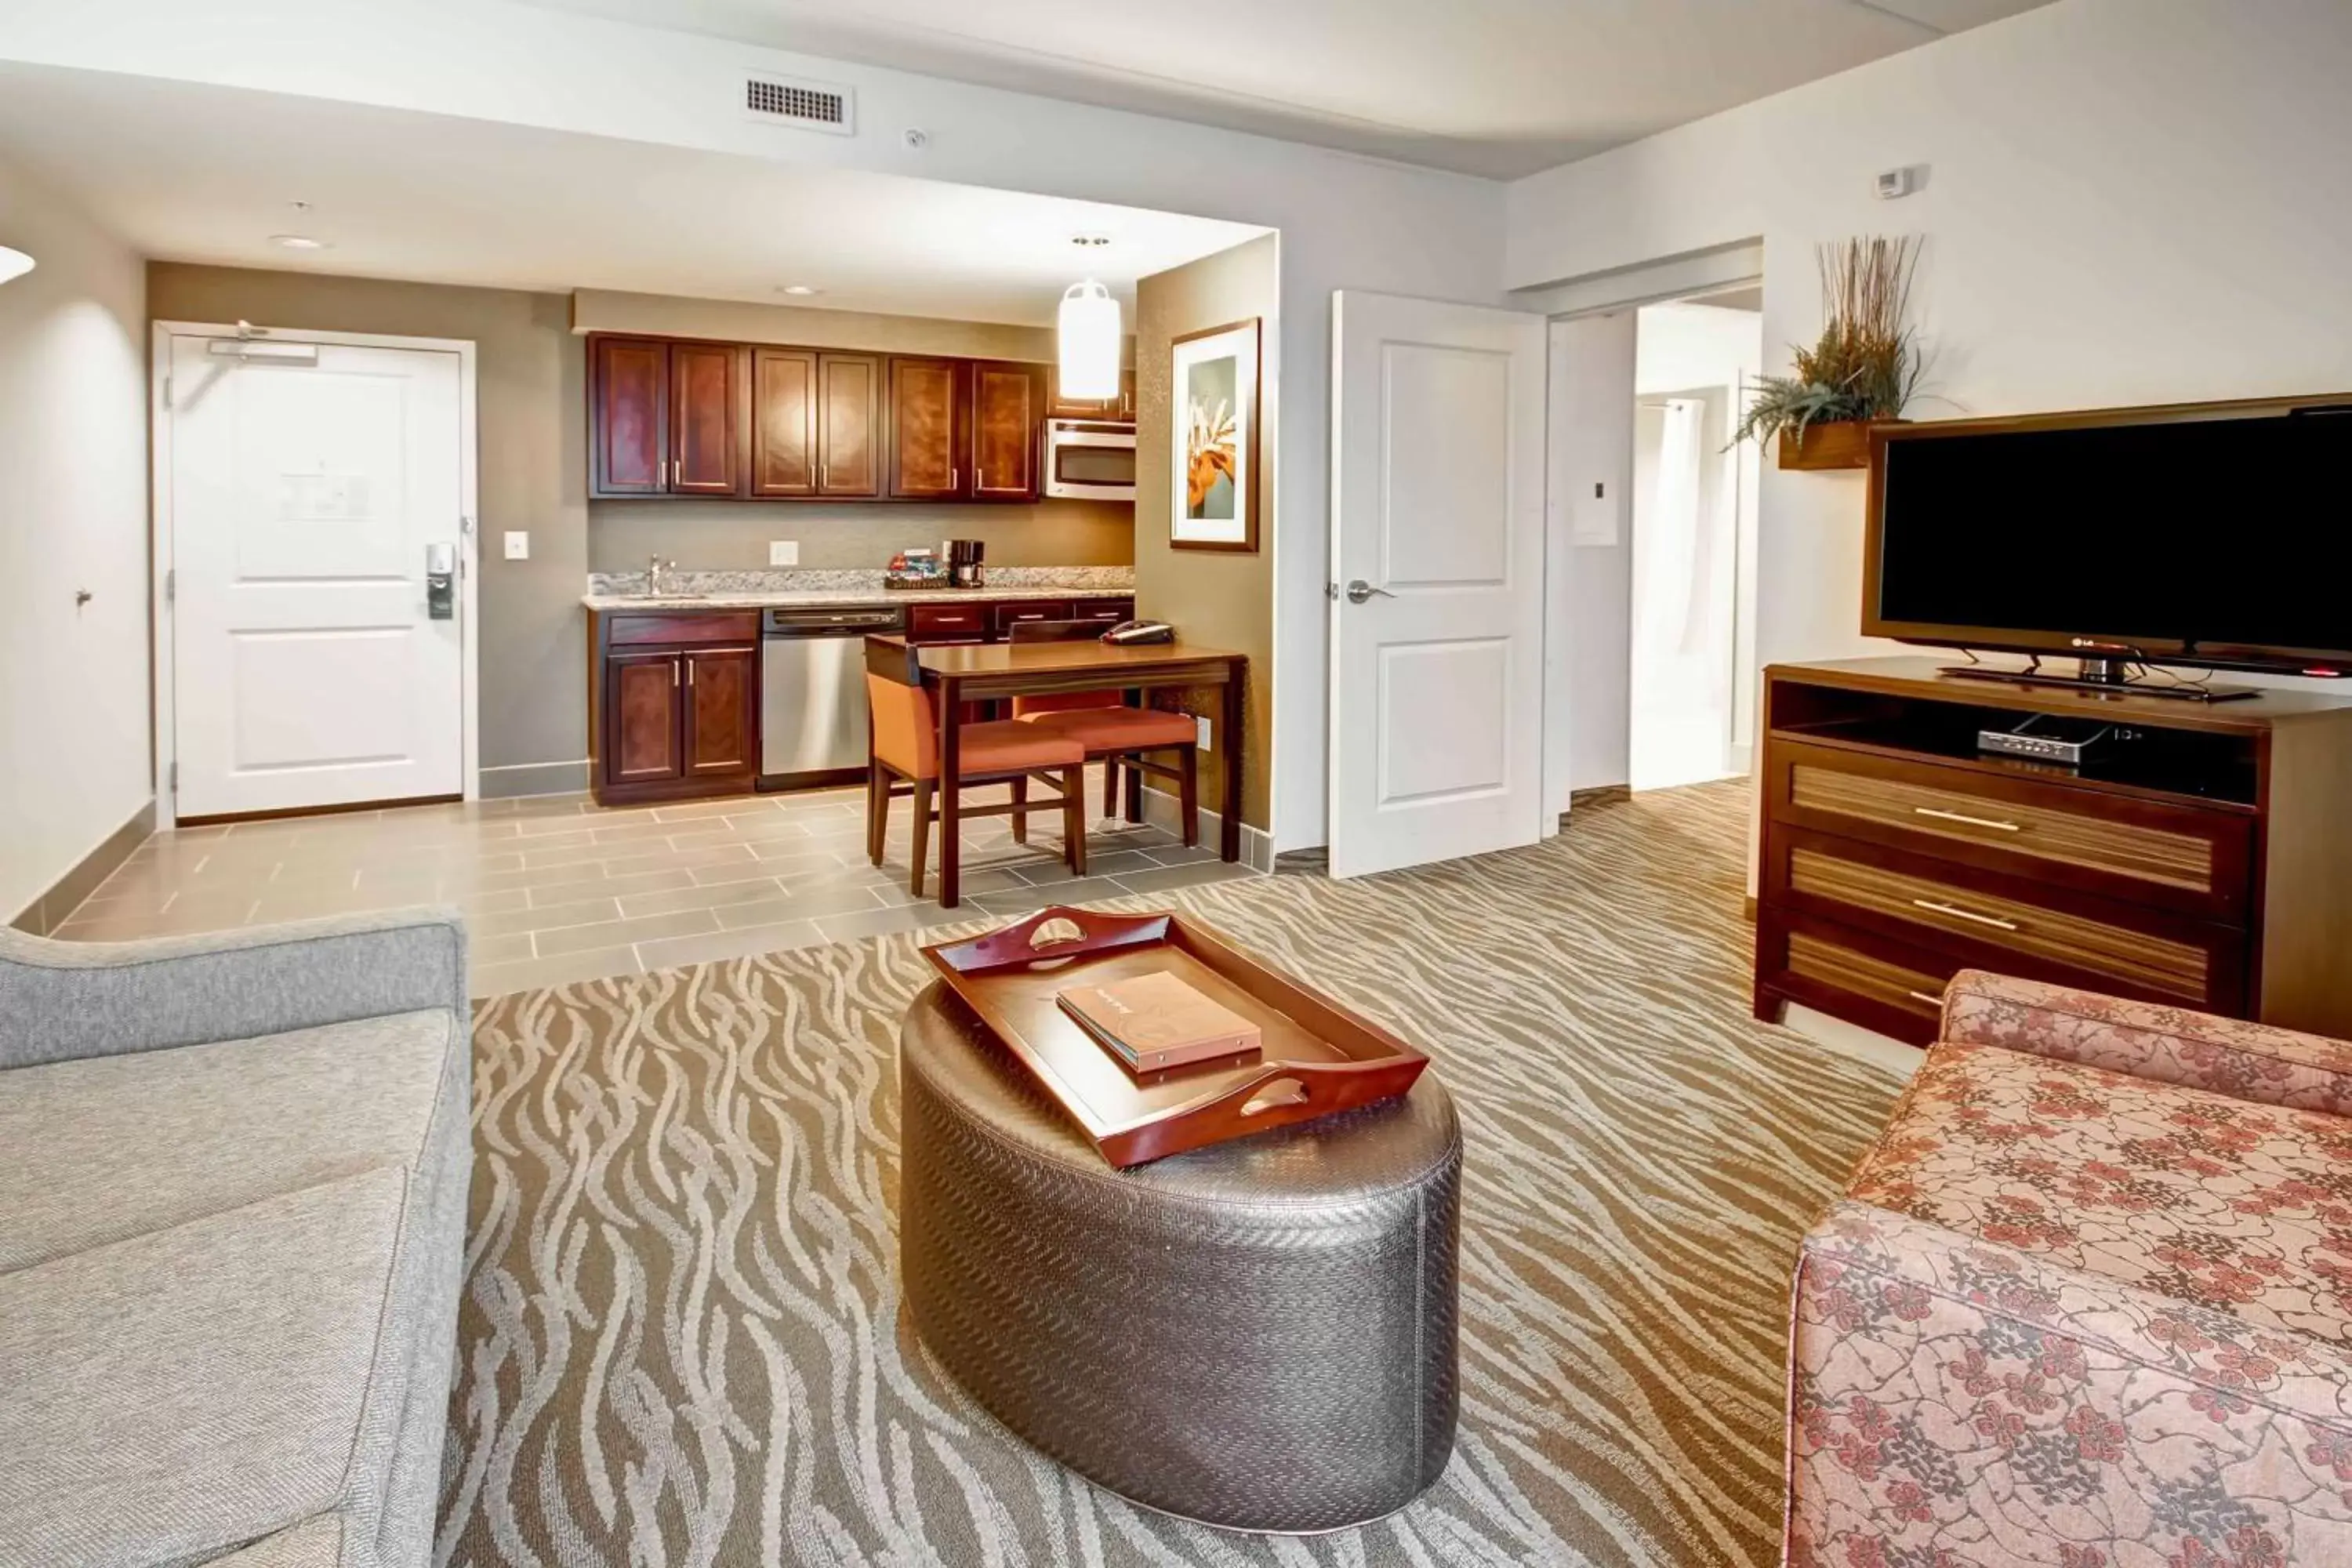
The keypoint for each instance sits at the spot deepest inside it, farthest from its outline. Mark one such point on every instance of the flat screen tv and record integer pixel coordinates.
(2209, 534)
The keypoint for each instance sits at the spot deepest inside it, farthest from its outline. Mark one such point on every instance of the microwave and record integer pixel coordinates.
(1089, 459)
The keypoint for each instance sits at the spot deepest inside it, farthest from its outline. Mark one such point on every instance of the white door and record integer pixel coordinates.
(1437, 717)
(309, 666)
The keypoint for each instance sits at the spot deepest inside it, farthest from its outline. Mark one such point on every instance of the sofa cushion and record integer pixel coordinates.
(98, 1149)
(193, 1390)
(2186, 1194)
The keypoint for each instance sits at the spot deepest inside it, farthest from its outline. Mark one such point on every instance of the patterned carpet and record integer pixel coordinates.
(681, 1340)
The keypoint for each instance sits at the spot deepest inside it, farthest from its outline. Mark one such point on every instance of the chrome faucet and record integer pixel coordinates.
(653, 569)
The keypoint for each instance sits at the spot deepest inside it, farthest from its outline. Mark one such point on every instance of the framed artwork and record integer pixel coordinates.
(1213, 500)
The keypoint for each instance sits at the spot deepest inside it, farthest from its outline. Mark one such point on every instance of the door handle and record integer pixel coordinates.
(1359, 591)
(440, 582)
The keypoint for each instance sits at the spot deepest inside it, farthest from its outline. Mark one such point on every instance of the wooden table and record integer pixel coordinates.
(957, 673)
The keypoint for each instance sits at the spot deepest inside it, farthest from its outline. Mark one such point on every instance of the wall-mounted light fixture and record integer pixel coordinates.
(1089, 335)
(14, 264)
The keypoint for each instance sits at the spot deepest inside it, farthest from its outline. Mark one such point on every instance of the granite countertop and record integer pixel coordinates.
(787, 588)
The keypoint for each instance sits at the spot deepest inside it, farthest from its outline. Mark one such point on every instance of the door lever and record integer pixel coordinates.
(1359, 591)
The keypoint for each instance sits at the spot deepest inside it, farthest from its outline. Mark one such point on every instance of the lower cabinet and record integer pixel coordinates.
(676, 707)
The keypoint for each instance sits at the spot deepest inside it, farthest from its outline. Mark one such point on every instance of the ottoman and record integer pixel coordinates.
(1259, 1335)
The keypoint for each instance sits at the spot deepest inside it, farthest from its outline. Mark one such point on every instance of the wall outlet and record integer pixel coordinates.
(1203, 721)
(518, 544)
(783, 553)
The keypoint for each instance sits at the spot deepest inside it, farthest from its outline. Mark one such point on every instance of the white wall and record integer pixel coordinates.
(74, 762)
(2126, 201)
(1346, 221)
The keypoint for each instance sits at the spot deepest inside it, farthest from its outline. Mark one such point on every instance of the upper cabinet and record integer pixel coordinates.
(759, 422)
(1118, 410)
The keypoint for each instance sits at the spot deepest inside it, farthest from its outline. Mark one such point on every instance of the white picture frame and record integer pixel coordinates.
(1212, 500)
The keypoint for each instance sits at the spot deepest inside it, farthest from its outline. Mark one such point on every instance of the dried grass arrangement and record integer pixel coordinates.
(1866, 364)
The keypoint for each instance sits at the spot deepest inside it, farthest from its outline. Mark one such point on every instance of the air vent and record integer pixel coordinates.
(807, 105)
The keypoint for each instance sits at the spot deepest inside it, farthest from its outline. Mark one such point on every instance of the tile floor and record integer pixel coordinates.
(556, 890)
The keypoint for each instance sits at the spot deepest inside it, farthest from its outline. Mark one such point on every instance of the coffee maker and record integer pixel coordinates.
(964, 563)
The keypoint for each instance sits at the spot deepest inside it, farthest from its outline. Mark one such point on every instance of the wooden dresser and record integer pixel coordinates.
(2206, 861)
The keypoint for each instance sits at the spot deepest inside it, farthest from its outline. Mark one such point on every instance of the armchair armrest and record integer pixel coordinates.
(2169, 1045)
(1940, 1386)
(61, 1000)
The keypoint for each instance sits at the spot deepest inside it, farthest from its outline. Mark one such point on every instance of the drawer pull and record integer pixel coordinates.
(1923, 996)
(1959, 914)
(1971, 821)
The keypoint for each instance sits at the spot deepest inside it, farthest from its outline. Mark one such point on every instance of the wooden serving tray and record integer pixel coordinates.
(1318, 1058)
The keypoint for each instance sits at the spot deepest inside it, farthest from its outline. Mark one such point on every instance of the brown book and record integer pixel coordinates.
(1156, 1021)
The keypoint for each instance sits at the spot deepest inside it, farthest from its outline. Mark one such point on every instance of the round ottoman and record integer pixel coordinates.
(1259, 1335)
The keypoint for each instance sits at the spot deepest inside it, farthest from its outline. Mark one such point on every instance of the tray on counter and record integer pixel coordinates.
(1317, 1057)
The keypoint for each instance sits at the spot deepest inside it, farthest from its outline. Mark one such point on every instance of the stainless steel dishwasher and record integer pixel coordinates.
(813, 688)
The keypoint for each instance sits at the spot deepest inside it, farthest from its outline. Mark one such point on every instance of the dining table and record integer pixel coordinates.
(955, 674)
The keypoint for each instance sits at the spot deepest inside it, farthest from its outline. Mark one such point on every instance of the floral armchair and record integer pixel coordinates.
(2087, 1303)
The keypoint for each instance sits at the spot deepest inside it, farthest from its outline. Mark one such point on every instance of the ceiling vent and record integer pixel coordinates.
(805, 105)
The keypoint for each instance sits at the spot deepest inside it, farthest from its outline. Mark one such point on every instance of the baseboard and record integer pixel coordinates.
(535, 778)
(48, 911)
(1257, 845)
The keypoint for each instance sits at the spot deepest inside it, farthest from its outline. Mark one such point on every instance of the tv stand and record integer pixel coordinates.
(2206, 862)
(2101, 675)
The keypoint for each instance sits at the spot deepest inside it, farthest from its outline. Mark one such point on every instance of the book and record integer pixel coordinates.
(1154, 1022)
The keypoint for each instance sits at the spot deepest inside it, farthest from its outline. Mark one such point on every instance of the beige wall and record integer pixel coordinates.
(533, 401)
(1222, 598)
(75, 765)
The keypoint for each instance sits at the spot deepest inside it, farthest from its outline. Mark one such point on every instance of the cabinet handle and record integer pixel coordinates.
(824, 476)
(1957, 913)
(1923, 996)
(673, 672)
(953, 475)
(1972, 821)
(689, 671)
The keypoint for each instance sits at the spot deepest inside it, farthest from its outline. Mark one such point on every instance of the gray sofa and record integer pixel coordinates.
(232, 1177)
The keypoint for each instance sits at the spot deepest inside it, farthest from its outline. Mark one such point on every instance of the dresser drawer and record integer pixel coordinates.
(684, 628)
(1011, 616)
(1853, 973)
(947, 623)
(2006, 923)
(2192, 859)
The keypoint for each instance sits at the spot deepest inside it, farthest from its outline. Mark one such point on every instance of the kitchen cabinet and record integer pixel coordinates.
(1008, 402)
(628, 396)
(1117, 410)
(849, 443)
(784, 400)
(706, 404)
(930, 430)
(674, 705)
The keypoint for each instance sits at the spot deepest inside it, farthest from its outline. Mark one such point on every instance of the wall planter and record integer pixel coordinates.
(1825, 445)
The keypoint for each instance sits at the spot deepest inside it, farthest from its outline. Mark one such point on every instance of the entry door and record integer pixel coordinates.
(1438, 551)
(306, 492)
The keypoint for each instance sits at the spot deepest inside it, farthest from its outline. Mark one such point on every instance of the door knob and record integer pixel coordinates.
(1358, 591)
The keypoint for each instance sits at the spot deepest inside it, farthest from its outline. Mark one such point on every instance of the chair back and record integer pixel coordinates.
(1067, 703)
(903, 734)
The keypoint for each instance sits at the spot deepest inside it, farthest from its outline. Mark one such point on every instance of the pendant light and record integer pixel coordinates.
(15, 264)
(1089, 333)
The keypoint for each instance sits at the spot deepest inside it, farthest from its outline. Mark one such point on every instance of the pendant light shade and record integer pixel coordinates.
(15, 264)
(1089, 341)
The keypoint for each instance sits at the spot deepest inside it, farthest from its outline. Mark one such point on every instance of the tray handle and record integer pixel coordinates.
(1029, 941)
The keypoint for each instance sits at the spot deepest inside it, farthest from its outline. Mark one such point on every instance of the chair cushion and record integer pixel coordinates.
(2183, 1193)
(104, 1148)
(1119, 729)
(1007, 746)
(184, 1392)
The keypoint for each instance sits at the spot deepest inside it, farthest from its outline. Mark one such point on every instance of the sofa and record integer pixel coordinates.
(2087, 1303)
(233, 1198)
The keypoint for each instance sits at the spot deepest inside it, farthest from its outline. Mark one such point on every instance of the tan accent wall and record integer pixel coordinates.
(1216, 597)
(735, 534)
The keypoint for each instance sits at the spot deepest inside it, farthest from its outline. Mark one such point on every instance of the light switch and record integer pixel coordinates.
(518, 544)
(1203, 721)
(783, 553)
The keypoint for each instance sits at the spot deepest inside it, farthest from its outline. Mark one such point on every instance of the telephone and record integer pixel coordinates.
(1129, 633)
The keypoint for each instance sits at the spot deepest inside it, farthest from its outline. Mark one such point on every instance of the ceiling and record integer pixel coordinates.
(1500, 88)
(190, 173)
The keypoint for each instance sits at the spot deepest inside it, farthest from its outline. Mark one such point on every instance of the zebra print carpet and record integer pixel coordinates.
(681, 1341)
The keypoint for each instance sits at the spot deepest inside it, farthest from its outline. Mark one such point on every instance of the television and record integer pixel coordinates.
(2216, 535)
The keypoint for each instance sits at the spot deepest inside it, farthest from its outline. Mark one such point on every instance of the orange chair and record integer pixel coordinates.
(905, 745)
(1114, 733)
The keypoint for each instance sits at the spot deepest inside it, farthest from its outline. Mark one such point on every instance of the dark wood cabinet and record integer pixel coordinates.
(628, 396)
(706, 418)
(1116, 410)
(1008, 404)
(930, 430)
(783, 423)
(849, 443)
(674, 704)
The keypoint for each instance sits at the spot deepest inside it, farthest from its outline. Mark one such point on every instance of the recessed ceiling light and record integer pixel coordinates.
(14, 264)
(297, 242)
(799, 289)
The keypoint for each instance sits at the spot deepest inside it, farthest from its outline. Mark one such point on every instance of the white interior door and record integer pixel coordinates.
(1437, 716)
(306, 491)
